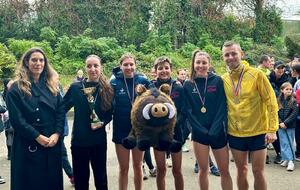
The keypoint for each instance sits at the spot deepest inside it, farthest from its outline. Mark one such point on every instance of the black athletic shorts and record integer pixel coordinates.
(247, 143)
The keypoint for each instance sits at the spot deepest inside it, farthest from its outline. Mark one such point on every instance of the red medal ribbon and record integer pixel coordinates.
(236, 89)
(204, 93)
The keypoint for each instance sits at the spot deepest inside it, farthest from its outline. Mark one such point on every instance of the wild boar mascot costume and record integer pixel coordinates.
(153, 118)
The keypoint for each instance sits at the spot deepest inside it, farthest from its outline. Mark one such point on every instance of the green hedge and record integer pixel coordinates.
(7, 62)
(293, 44)
(70, 52)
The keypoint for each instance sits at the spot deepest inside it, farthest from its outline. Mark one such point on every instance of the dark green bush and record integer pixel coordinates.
(19, 47)
(7, 62)
(292, 43)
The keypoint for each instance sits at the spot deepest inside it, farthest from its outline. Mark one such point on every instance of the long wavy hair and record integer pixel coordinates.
(106, 93)
(280, 98)
(23, 76)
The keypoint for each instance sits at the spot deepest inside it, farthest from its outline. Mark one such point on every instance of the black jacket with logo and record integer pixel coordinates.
(213, 123)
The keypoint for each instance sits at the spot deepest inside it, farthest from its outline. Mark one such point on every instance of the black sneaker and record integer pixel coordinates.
(278, 160)
(214, 171)
(196, 168)
(267, 160)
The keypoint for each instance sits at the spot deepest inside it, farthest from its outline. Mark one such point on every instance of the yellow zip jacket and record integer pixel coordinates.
(256, 111)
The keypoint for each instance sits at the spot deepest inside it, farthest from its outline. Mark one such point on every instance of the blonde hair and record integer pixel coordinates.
(23, 75)
(125, 56)
(231, 43)
(195, 53)
(106, 93)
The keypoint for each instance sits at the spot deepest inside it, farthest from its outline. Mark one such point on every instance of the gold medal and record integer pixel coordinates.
(236, 100)
(203, 109)
(238, 88)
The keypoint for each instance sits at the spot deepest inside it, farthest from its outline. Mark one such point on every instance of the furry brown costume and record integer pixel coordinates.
(153, 118)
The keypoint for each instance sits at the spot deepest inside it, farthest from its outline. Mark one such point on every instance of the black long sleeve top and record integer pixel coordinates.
(82, 133)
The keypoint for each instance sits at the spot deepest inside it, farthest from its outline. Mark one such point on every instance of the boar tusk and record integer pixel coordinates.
(172, 110)
(146, 111)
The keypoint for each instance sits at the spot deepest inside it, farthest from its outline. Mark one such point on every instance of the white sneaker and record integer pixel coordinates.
(145, 177)
(169, 162)
(184, 148)
(153, 172)
(284, 163)
(2, 180)
(291, 166)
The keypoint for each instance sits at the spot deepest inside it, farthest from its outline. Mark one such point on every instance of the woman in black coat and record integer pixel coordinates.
(37, 117)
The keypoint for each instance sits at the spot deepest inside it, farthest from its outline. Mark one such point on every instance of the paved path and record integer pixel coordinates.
(278, 178)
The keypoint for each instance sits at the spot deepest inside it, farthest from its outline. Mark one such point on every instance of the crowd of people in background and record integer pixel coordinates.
(245, 111)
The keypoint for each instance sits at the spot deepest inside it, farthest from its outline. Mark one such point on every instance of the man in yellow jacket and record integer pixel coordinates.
(252, 115)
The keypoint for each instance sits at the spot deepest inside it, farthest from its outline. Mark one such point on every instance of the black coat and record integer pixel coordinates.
(276, 83)
(288, 114)
(33, 166)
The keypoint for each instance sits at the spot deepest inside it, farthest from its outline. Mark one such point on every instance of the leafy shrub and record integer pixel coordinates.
(245, 43)
(292, 43)
(214, 52)
(19, 47)
(49, 35)
(157, 44)
(68, 66)
(187, 50)
(253, 55)
(7, 62)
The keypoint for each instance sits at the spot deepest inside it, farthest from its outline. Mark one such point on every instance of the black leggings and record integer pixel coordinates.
(276, 145)
(148, 160)
(81, 157)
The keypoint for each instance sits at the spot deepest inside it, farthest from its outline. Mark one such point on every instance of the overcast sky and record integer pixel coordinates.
(290, 8)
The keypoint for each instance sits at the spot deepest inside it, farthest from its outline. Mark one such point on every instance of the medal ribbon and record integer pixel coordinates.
(236, 89)
(171, 86)
(130, 96)
(204, 92)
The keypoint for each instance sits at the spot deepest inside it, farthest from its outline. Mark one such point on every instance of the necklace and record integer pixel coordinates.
(237, 89)
(203, 109)
(130, 96)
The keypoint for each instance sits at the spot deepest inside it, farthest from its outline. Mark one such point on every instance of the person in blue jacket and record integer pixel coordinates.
(124, 82)
(163, 68)
(89, 142)
(207, 113)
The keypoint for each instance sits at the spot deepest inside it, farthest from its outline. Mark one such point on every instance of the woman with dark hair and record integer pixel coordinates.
(92, 102)
(37, 116)
(124, 81)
